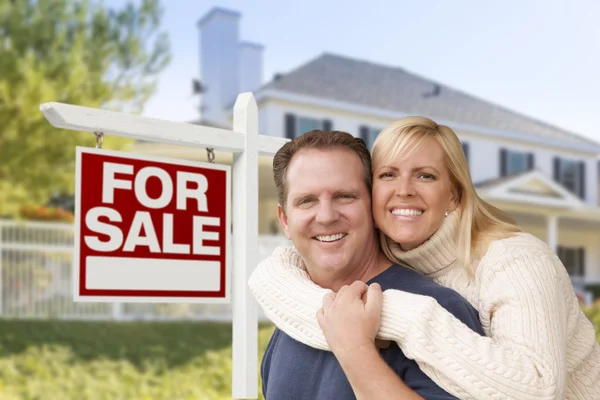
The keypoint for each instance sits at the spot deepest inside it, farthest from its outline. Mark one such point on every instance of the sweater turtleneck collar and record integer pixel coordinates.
(437, 253)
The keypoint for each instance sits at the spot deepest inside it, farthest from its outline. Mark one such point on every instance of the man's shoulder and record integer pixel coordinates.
(273, 341)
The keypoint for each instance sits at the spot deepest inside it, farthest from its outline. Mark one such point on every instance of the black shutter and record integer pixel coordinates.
(363, 133)
(327, 125)
(581, 260)
(465, 147)
(530, 161)
(582, 179)
(559, 253)
(556, 172)
(503, 162)
(290, 126)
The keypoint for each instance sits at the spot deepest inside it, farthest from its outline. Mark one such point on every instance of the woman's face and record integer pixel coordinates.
(412, 195)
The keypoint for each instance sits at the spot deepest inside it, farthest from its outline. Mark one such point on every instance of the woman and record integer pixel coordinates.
(539, 344)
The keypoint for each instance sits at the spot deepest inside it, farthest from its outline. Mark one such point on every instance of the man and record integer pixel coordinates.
(323, 181)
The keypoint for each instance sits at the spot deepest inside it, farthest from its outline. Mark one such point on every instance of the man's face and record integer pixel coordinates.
(328, 209)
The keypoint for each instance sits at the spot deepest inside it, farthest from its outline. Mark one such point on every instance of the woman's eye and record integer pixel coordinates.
(427, 176)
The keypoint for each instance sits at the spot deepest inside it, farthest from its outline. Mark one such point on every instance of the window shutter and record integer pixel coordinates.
(559, 253)
(327, 125)
(503, 162)
(290, 126)
(581, 260)
(363, 133)
(556, 171)
(530, 161)
(465, 147)
(582, 180)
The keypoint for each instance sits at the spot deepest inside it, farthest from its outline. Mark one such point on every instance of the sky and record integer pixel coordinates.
(538, 57)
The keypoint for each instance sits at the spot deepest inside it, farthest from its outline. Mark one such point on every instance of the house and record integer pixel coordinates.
(544, 176)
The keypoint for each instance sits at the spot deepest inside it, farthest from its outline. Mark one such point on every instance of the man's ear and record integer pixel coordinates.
(283, 221)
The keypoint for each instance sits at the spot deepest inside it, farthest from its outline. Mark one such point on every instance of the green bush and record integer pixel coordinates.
(593, 313)
(64, 360)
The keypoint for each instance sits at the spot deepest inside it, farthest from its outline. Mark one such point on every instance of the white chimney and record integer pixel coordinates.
(251, 66)
(219, 62)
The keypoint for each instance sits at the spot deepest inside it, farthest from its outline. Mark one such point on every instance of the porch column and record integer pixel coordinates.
(552, 223)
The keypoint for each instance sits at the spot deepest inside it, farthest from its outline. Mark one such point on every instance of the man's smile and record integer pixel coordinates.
(330, 238)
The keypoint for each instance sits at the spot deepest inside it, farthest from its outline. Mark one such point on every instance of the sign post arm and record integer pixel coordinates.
(112, 123)
(245, 254)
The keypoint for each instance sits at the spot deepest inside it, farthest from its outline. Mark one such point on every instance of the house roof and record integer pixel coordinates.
(365, 83)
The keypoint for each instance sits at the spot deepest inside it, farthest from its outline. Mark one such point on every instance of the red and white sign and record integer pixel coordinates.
(150, 229)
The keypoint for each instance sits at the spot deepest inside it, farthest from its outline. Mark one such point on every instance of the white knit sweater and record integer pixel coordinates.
(538, 344)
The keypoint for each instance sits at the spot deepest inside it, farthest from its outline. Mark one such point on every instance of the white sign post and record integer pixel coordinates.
(246, 145)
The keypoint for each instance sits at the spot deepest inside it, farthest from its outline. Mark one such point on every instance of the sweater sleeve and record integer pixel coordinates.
(287, 296)
(524, 357)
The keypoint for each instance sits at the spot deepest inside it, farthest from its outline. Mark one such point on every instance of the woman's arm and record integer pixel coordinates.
(288, 297)
(523, 359)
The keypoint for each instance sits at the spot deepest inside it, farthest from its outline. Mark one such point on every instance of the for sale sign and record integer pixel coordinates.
(150, 229)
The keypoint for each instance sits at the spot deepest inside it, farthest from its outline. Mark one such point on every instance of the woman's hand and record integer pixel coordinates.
(348, 322)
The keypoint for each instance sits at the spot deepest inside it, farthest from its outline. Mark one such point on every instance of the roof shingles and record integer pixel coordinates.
(368, 84)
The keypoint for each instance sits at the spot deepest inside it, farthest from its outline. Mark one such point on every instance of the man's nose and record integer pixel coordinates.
(327, 213)
(405, 187)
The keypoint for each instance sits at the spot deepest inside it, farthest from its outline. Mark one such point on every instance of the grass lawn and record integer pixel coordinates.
(65, 360)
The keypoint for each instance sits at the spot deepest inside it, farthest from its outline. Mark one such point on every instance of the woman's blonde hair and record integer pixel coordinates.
(480, 222)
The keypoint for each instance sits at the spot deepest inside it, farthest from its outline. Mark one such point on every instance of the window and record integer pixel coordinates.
(368, 135)
(517, 162)
(573, 258)
(514, 162)
(570, 174)
(304, 125)
(297, 126)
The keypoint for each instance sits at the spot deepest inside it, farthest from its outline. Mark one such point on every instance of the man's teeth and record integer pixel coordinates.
(330, 238)
(407, 212)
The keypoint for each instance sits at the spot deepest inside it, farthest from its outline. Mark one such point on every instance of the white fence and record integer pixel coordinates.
(36, 279)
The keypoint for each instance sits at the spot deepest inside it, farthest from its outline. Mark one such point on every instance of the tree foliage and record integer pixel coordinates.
(71, 51)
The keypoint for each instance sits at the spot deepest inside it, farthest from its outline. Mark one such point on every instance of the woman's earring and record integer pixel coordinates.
(447, 213)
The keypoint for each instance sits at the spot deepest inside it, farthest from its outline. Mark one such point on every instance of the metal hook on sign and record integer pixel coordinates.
(210, 152)
(99, 139)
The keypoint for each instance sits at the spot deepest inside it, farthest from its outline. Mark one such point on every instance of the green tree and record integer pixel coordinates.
(71, 51)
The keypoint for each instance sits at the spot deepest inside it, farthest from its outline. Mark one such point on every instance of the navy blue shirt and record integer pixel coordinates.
(294, 371)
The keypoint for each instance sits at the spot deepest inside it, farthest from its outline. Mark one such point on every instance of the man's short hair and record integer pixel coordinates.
(318, 139)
